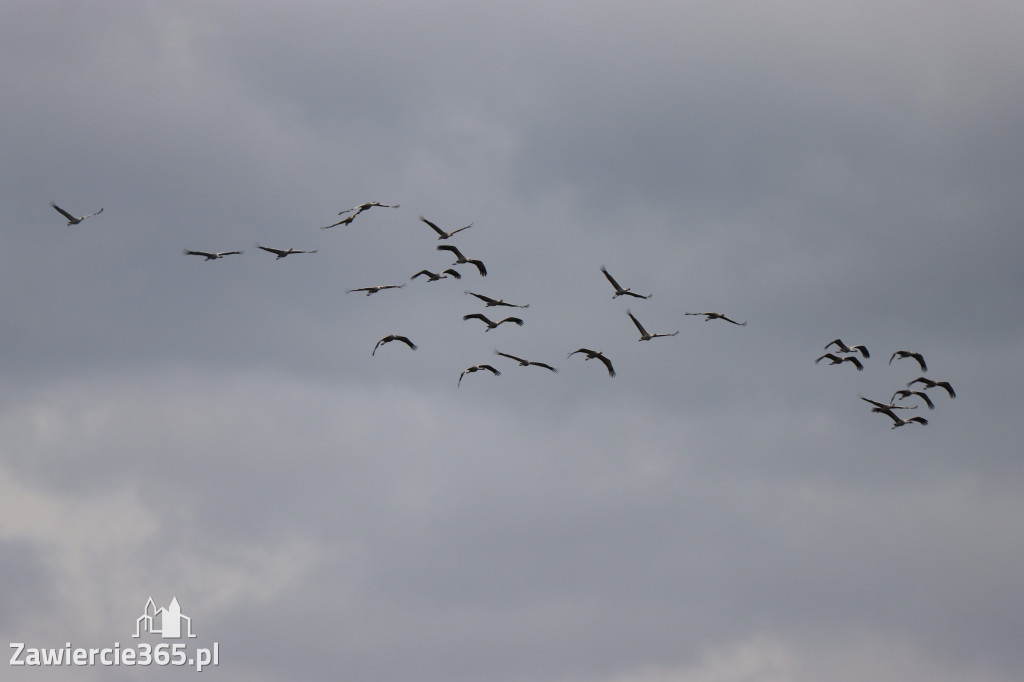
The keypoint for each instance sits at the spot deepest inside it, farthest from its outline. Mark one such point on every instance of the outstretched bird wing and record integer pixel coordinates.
(520, 360)
(63, 212)
(607, 363)
(343, 221)
(407, 341)
(435, 228)
(277, 252)
(453, 249)
(486, 299)
(643, 332)
(611, 279)
(544, 365)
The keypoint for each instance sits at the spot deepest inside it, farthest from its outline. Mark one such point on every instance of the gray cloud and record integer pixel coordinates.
(722, 509)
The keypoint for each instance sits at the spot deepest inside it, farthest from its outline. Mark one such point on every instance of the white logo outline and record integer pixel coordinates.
(169, 620)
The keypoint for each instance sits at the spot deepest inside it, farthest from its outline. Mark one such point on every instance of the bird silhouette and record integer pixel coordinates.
(209, 255)
(490, 323)
(477, 368)
(523, 362)
(72, 220)
(840, 359)
(619, 290)
(910, 354)
(591, 354)
(644, 335)
(441, 233)
(394, 337)
(461, 260)
(718, 316)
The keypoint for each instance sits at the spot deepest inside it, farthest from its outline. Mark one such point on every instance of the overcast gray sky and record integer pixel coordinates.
(723, 510)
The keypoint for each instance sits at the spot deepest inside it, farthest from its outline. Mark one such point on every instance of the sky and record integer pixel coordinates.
(723, 510)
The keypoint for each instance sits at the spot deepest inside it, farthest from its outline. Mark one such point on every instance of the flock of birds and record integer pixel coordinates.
(844, 353)
(451, 272)
(837, 352)
(489, 302)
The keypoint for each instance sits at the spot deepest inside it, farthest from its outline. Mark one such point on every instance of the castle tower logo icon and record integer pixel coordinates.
(165, 622)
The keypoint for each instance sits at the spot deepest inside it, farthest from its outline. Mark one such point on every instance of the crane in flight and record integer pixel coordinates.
(281, 253)
(462, 260)
(477, 368)
(928, 383)
(523, 362)
(394, 337)
(370, 291)
(356, 210)
(210, 256)
(644, 334)
(366, 207)
(843, 348)
(591, 354)
(718, 316)
(490, 323)
(73, 220)
(491, 302)
(344, 221)
(441, 234)
(906, 393)
(434, 276)
(840, 359)
(887, 410)
(910, 354)
(620, 291)
(885, 407)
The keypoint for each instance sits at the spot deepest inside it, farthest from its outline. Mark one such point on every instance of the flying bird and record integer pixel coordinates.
(897, 421)
(477, 368)
(441, 233)
(619, 291)
(344, 221)
(394, 337)
(281, 253)
(366, 207)
(523, 362)
(356, 210)
(718, 316)
(434, 276)
(887, 410)
(209, 255)
(72, 220)
(928, 383)
(910, 354)
(374, 289)
(644, 335)
(491, 324)
(461, 260)
(906, 393)
(885, 407)
(843, 348)
(491, 302)
(591, 354)
(840, 359)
